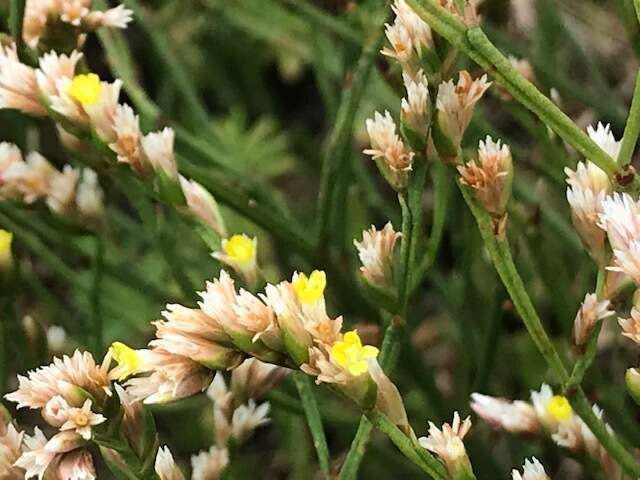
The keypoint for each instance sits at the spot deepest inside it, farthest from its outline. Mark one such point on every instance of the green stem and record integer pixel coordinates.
(501, 256)
(16, 20)
(500, 253)
(310, 405)
(474, 43)
(358, 448)
(419, 456)
(96, 296)
(632, 129)
(636, 6)
(339, 144)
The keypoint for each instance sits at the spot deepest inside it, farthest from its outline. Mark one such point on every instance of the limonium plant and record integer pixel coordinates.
(196, 286)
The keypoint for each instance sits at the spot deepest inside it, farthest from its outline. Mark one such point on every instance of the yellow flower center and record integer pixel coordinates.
(81, 419)
(559, 408)
(240, 248)
(5, 241)
(310, 289)
(352, 355)
(86, 89)
(127, 358)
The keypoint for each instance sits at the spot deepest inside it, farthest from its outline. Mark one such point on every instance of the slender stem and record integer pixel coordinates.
(16, 20)
(310, 405)
(501, 256)
(339, 144)
(96, 295)
(423, 459)
(474, 43)
(358, 448)
(632, 129)
(500, 253)
(636, 6)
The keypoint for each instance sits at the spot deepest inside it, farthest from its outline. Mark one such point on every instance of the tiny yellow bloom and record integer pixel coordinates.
(310, 289)
(559, 408)
(5, 242)
(240, 248)
(352, 355)
(128, 360)
(86, 88)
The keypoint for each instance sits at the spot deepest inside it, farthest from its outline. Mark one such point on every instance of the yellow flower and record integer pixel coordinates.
(86, 88)
(559, 408)
(128, 360)
(5, 242)
(310, 289)
(240, 248)
(352, 355)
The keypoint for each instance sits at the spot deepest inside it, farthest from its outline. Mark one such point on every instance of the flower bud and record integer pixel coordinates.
(414, 117)
(591, 311)
(447, 444)
(376, 255)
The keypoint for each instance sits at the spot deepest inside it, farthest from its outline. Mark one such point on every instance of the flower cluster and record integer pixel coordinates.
(550, 414)
(88, 113)
(286, 325)
(71, 193)
(70, 394)
(46, 21)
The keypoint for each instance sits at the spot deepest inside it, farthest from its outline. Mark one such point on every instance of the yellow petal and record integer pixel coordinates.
(369, 351)
(85, 89)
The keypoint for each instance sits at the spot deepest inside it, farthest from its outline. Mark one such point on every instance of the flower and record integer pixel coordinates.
(253, 379)
(41, 453)
(350, 354)
(533, 470)
(392, 157)
(515, 417)
(447, 444)
(70, 377)
(77, 465)
(127, 143)
(620, 218)
(246, 418)
(129, 361)
(309, 289)
(588, 187)
(80, 420)
(415, 108)
(455, 104)
(409, 36)
(166, 467)
(240, 253)
(631, 326)
(590, 312)
(491, 176)
(210, 464)
(18, 85)
(603, 136)
(158, 150)
(10, 450)
(203, 206)
(85, 88)
(552, 410)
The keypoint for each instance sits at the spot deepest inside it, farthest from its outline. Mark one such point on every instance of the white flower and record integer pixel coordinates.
(209, 465)
(376, 254)
(10, 451)
(158, 150)
(515, 417)
(415, 106)
(166, 467)
(203, 206)
(621, 220)
(533, 470)
(80, 420)
(447, 442)
(54, 67)
(590, 312)
(127, 146)
(386, 144)
(18, 86)
(456, 102)
(41, 453)
(246, 418)
(631, 326)
(603, 136)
